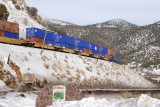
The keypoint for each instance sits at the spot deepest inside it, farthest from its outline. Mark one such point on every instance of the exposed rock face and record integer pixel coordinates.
(45, 97)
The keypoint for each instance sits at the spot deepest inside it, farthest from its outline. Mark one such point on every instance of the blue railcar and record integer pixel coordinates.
(95, 52)
(11, 35)
(102, 54)
(94, 47)
(117, 58)
(64, 39)
(50, 36)
(35, 32)
(81, 49)
(71, 46)
(39, 33)
(50, 42)
(111, 58)
(82, 44)
(103, 51)
(63, 45)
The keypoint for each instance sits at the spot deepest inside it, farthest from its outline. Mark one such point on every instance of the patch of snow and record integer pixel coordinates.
(14, 99)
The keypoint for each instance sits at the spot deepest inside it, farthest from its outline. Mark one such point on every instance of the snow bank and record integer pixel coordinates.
(142, 101)
(17, 99)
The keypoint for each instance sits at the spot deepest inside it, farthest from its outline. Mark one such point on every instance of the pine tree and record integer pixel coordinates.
(3, 12)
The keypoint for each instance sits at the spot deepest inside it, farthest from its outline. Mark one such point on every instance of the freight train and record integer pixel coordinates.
(9, 33)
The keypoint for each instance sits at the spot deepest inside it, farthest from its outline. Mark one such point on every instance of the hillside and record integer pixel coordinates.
(64, 68)
(141, 44)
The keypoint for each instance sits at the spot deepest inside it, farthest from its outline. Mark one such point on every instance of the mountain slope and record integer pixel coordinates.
(129, 40)
(113, 23)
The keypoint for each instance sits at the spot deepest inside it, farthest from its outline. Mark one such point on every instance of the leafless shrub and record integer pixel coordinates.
(43, 57)
(68, 72)
(98, 72)
(67, 66)
(22, 59)
(53, 75)
(89, 59)
(65, 60)
(80, 56)
(63, 76)
(60, 68)
(89, 69)
(84, 61)
(53, 67)
(77, 70)
(109, 81)
(77, 76)
(82, 72)
(46, 65)
(70, 78)
(44, 81)
(55, 55)
(30, 53)
(100, 64)
(54, 64)
(58, 78)
(118, 73)
(25, 58)
(84, 81)
(66, 57)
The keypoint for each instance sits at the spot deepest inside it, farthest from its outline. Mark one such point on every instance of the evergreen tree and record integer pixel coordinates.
(3, 12)
(32, 11)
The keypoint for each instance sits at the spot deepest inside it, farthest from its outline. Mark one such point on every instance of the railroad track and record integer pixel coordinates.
(118, 90)
(109, 90)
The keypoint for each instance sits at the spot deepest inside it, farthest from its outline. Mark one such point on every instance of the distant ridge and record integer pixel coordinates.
(113, 23)
(58, 22)
(157, 22)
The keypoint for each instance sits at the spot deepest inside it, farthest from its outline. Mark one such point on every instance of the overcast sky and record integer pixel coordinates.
(84, 12)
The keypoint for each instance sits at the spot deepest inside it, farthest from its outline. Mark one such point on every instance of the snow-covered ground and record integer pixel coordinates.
(26, 99)
(64, 68)
(19, 99)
